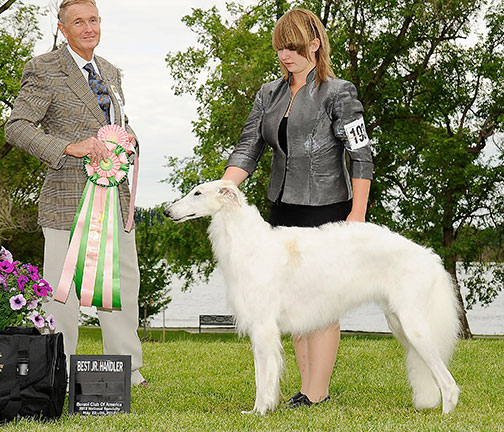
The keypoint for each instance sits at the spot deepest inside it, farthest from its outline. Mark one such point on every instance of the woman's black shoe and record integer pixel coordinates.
(295, 398)
(304, 401)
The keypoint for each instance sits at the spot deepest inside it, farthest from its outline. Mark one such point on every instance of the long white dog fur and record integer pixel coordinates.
(297, 280)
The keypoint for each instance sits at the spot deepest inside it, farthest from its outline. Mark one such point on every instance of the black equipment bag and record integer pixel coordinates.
(33, 376)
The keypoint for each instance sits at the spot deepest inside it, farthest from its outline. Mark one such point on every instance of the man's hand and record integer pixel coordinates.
(132, 142)
(90, 146)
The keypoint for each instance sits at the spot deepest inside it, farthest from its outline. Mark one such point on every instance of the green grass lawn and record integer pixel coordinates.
(203, 382)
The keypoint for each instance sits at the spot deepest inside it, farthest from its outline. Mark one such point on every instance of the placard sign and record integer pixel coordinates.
(100, 384)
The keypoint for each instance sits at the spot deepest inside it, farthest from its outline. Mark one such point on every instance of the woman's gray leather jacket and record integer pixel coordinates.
(315, 171)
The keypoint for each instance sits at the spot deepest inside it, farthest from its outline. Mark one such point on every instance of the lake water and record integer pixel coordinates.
(210, 298)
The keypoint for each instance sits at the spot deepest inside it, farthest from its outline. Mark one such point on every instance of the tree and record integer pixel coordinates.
(433, 93)
(154, 278)
(236, 58)
(20, 174)
(445, 96)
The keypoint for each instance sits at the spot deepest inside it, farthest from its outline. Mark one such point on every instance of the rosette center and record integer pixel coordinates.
(106, 165)
(113, 169)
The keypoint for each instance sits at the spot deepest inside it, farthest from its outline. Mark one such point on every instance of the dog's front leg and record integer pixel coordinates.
(268, 362)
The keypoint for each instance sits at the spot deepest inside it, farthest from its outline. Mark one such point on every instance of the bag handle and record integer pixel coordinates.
(20, 331)
(23, 368)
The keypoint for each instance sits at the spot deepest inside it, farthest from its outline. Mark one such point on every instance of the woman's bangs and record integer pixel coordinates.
(289, 37)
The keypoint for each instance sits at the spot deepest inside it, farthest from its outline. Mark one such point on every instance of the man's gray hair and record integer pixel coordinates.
(65, 3)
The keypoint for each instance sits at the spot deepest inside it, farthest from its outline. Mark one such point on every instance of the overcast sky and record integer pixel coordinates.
(136, 39)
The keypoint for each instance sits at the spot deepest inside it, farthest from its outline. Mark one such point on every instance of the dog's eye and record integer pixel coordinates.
(197, 193)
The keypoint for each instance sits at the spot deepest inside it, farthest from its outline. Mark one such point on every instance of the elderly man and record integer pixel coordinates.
(71, 93)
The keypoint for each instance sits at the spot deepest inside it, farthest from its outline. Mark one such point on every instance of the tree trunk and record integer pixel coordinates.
(4, 151)
(465, 330)
(451, 266)
(6, 5)
(280, 8)
(55, 40)
(327, 8)
(145, 322)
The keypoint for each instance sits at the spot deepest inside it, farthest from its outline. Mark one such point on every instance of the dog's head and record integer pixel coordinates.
(205, 199)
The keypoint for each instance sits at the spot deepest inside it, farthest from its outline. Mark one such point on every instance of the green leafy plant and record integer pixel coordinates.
(22, 294)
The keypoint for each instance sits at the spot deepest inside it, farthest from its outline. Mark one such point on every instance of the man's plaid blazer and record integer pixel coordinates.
(56, 107)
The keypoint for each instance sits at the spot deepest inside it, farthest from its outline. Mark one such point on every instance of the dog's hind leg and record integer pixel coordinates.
(416, 330)
(425, 389)
(268, 362)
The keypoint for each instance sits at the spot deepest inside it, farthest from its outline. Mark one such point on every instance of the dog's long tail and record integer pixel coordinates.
(442, 318)
(444, 314)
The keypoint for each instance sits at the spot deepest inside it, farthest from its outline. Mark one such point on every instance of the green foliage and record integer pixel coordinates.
(88, 320)
(21, 175)
(153, 294)
(22, 293)
(21, 178)
(236, 58)
(432, 89)
(204, 382)
(18, 33)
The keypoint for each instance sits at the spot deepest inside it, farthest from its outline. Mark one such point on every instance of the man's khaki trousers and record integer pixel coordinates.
(119, 327)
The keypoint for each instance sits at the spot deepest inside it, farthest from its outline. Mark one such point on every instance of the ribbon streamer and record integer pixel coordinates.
(92, 260)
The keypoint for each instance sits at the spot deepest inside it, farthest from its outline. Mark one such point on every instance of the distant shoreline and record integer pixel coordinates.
(193, 330)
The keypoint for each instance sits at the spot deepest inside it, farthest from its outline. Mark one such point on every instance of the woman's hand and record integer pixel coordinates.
(236, 174)
(360, 198)
(355, 216)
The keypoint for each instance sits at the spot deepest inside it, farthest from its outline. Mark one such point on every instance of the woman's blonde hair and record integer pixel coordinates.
(295, 31)
(66, 3)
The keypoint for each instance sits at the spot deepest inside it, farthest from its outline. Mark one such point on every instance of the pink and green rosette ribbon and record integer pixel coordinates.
(113, 171)
(93, 253)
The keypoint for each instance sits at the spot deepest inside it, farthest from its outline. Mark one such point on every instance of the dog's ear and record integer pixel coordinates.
(231, 194)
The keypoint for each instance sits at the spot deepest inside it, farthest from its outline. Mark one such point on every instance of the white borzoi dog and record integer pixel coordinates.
(297, 280)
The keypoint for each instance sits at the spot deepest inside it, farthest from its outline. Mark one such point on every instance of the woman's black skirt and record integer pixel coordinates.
(282, 214)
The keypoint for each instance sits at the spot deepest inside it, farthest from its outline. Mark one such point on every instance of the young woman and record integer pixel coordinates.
(312, 121)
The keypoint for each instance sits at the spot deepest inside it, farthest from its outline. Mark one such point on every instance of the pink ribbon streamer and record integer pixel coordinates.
(131, 214)
(109, 248)
(68, 271)
(93, 247)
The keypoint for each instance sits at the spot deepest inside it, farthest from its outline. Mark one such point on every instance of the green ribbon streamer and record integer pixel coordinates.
(116, 281)
(79, 269)
(109, 211)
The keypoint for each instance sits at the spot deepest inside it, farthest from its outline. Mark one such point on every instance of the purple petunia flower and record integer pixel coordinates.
(21, 281)
(51, 322)
(5, 255)
(17, 302)
(40, 290)
(45, 284)
(6, 266)
(33, 272)
(32, 304)
(3, 281)
(38, 320)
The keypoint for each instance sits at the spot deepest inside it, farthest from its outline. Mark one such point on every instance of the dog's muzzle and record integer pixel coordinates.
(169, 214)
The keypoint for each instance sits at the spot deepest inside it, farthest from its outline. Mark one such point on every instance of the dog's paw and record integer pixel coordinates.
(248, 412)
(254, 411)
(427, 399)
(257, 410)
(450, 402)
